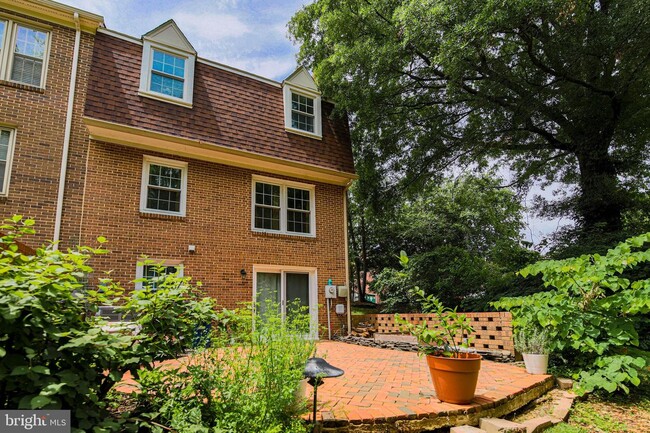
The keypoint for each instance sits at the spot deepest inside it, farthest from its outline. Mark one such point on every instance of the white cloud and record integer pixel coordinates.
(272, 66)
(99, 7)
(210, 26)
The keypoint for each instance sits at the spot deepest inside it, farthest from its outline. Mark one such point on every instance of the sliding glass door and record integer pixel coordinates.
(287, 289)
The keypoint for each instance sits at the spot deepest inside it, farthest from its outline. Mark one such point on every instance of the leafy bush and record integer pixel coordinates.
(450, 330)
(242, 387)
(57, 353)
(457, 277)
(394, 286)
(591, 313)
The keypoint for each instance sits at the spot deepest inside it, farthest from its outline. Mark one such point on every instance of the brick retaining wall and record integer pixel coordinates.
(492, 330)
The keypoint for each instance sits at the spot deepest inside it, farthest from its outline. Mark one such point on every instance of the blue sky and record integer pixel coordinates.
(247, 34)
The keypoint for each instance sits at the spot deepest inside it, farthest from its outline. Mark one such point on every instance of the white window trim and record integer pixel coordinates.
(8, 46)
(139, 269)
(283, 184)
(313, 289)
(145, 73)
(287, 90)
(146, 162)
(10, 159)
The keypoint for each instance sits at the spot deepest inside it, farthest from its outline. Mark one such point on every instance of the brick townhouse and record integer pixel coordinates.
(233, 179)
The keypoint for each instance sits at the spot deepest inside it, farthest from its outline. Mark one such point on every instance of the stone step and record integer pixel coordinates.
(497, 425)
(562, 406)
(537, 425)
(563, 383)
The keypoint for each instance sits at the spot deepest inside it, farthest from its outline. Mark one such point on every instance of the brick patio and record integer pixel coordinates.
(388, 390)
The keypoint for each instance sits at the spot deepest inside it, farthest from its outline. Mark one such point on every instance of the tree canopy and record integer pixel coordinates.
(462, 238)
(556, 90)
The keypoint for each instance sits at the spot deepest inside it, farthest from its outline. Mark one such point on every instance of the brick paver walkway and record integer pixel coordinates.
(382, 385)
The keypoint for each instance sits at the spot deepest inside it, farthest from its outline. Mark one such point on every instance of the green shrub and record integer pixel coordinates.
(57, 354)
(533, 341)
(243, 384)
(591, 313)
(450, 330)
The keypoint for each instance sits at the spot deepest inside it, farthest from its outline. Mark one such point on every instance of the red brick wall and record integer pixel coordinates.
(39, 119)
(492, 330)
(218, 222)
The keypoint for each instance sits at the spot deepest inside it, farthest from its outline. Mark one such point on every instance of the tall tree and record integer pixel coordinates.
(462, 238)
(556, 89)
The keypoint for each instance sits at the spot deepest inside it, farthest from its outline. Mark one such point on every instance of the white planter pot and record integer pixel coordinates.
(301, 392)
(536, 364)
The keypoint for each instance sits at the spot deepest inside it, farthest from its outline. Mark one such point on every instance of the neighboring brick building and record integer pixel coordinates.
(37, 58)
(235, 179)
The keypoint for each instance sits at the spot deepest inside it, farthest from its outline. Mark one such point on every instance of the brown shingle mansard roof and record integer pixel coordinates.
(229, 109)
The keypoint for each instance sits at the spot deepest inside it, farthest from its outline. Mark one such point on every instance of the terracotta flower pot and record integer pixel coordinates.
(454, 379)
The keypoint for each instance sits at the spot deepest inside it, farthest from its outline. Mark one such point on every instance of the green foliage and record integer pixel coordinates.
(394, 286)
(168, 314)
(532, 340)
(591, 312)
(57, 353)
(555, 90)
(450, 330)
(463, 237)
(242, 387)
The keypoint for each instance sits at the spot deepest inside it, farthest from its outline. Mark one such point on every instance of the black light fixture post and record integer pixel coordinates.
(316, 370)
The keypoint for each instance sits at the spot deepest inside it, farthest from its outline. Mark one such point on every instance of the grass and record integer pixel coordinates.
(566, 428)
(615, 413)
(598, 413)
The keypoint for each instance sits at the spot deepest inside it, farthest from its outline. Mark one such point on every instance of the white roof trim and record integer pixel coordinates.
(239, 72)
(168, 33)
(301, 78)
(199, 59)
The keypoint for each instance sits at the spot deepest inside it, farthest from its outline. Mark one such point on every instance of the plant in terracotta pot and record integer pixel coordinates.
(454, 371)
(533, 343)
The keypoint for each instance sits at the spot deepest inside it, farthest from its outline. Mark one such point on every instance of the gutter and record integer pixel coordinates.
(67, 133)
(347, 255)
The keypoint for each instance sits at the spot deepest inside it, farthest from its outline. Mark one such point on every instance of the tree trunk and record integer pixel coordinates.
(354, 247)
(601, 201)
(364, 260)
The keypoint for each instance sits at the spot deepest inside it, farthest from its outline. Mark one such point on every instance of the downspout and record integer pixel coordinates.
(347, 255)
(67, 134)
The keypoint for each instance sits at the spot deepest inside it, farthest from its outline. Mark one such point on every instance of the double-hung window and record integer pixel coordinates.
(283, 207)
(167, 74)
(299, 204)
(302, 112)
(164, 186)
(6, 156)
(150, 273)
(23, 53)
(302, 107)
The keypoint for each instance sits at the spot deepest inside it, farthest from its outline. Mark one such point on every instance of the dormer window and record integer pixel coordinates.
(302, 105)
(167, 71)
